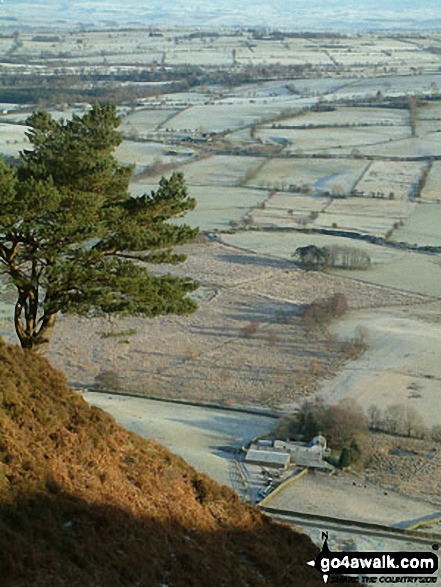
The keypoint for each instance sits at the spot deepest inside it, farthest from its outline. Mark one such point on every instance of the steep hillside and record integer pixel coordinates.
(85, 503)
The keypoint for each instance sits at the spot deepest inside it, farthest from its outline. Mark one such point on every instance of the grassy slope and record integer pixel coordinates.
(85, 503)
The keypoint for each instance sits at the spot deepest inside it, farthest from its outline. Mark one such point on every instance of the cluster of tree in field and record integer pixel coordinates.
(402, 420)
(323, 310)
(345, 427)
(73, 239)
(317, 258)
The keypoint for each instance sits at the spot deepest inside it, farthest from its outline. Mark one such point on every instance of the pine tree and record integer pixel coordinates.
(72, 239)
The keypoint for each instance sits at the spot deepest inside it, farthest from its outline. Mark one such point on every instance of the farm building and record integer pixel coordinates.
(281, 453)
(267, 458)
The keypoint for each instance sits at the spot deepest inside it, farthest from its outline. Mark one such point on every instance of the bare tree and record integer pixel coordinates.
(375, 416)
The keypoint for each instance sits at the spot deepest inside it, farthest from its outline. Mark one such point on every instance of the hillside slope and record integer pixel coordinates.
(85, 503)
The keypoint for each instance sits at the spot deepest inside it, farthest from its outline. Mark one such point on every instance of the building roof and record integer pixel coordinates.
(268, 458)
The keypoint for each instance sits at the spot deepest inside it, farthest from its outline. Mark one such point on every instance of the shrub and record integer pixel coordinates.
(345, 459)
(117, 334)
(287, 427)
(272, 338)
(322, 311)
(108, 380)
(312, 257)
(358, 343)
(250, 329)
(436, 433)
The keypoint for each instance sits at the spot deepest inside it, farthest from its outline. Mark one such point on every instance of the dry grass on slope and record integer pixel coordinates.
(85, 503)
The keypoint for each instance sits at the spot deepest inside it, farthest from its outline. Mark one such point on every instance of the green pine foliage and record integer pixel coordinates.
(72, 239)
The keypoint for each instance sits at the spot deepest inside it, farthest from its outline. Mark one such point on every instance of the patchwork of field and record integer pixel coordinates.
(317, 176)
(268, 131)
(390, 179)
(363, 215)
(287, 210)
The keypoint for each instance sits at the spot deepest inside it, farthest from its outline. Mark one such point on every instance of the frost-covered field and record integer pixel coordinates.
(430, 111)
(333, 139)
(204, 57)
(142, 121)
(426, 146)
(375, 225)
(143, 153)
(169, 423)
(12, 138)
(295, 202)
(316, 175)
(225, 116)
(401, 364)
(221, 170)
(432, 187)
(404, 270)
(218, 207)
(397, 84)
(134, 152)
(363, 215)
(390, 179)
(351, 117)
(389, 209)
(423, 227)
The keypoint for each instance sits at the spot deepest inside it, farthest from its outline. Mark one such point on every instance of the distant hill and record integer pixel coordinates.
(346, 15)
(85, 503)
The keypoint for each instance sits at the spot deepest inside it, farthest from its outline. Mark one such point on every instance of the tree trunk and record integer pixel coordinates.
(32, 333)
